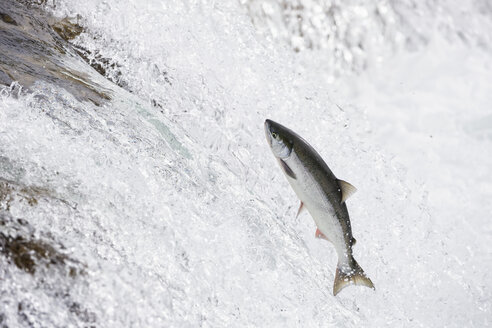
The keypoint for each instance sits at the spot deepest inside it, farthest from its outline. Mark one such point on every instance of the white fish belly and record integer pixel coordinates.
(315, 201)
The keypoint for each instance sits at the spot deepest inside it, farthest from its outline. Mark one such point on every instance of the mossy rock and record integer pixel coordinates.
(7, 19)
(17, 241)
(11, 191)
(67, 29)
(29, 253)
(28, 29)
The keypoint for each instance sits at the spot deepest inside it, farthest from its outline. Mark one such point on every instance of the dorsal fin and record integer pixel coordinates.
(347, 189)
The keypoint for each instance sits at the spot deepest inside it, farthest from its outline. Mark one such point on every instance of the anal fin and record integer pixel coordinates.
(319, 234)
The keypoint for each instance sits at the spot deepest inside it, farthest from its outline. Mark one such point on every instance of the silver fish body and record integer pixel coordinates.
(322, 194)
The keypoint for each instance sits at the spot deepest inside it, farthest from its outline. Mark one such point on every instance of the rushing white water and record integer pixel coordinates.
(169, 210)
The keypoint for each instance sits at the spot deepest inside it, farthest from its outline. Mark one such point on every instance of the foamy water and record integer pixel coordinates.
(163, 205)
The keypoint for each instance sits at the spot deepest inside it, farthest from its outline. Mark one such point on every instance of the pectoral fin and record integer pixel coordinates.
(347, 189)
(301, 208)
(287, 169)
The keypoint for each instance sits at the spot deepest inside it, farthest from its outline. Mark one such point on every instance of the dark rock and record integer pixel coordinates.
(28, 253)
(5, 79)
(67, 29)
(36, 48)
(7, 19)
(17, 241)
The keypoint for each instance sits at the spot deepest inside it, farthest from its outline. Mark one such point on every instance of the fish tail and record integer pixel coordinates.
(350, 276)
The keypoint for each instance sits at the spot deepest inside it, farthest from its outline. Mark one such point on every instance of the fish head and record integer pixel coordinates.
(278, 138)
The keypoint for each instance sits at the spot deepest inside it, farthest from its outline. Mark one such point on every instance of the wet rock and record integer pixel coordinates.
(36, 48)
(19, 241)
(39, 254)
(7, 19)
(85, 315)
(2, 320)
(5, 79)
(67, 29)
(107, 67)
(5, 195)
(29, 253)
(9, 190)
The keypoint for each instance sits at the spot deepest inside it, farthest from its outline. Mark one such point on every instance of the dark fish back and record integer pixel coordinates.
(317, 167)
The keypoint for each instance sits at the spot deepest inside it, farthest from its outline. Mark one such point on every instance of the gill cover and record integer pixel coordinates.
(280, 144)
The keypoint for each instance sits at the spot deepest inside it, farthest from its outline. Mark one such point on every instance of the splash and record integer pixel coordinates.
(165, 201)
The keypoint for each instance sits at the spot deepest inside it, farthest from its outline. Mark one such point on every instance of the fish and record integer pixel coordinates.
(323, 195)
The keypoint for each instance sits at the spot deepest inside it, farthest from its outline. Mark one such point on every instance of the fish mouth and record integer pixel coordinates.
(268, 131)
(270, 126)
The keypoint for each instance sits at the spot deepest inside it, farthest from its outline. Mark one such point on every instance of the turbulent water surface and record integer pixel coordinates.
(137, 188)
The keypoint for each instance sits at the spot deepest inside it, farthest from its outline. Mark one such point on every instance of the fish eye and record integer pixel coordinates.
(274, 135)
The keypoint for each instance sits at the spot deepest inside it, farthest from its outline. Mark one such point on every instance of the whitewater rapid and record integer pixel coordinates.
(148, 197)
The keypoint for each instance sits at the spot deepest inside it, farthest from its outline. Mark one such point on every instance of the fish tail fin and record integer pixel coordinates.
(350, 276)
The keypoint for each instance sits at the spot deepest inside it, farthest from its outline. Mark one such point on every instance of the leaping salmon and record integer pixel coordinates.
(323, 195)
